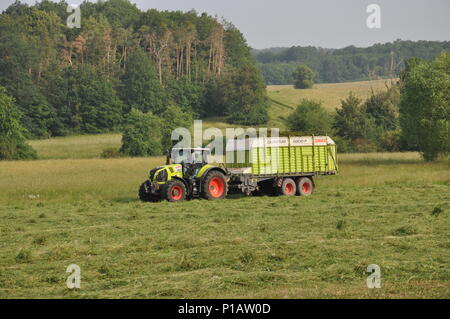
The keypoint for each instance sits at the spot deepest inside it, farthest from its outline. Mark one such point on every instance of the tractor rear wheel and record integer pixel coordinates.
(214, 186)
(174, 191)
(288, 187)
(145, 196)
(305, 186)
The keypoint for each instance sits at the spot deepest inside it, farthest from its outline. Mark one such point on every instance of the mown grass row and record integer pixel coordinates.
(391, 210)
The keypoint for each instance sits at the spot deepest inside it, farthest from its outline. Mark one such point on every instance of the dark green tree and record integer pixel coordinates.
(310, 118)
(425, 106)
(241, 95)
(12, 135)
(173, 117)
(303, 77)
(140, 85)
(351, 121)
(142, 135)
(383, 108)
(92, 105)
(186, 94)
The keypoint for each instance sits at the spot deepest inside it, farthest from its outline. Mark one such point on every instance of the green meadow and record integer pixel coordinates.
(72, 207)
(386, 209)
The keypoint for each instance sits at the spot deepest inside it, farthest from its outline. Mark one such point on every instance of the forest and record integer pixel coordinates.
(347, 64)
(90, 79)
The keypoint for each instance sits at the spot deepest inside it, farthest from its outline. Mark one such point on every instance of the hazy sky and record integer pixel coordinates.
(325, 23)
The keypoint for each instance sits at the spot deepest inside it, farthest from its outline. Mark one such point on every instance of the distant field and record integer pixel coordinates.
(79, 146)
(387, 209)
(285, 98)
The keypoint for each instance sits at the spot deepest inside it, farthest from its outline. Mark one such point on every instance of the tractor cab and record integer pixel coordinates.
(189, 156)
(191, 159)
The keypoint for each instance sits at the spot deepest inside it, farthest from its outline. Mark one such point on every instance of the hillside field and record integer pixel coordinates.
(385, 209)
(284, 98)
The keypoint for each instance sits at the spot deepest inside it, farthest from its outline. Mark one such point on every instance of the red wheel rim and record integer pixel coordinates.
(289, 189)
(306, 188)
(176, 192)
(216, 187)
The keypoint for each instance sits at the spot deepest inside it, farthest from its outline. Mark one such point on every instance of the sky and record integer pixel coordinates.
(324, 23)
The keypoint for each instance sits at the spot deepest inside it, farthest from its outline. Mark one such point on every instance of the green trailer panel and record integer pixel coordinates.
(283, 155)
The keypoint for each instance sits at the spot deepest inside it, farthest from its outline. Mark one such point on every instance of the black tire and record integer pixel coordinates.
(174, 191)
(305, 186)
(288, 187)
(145, 196)
(214, 186)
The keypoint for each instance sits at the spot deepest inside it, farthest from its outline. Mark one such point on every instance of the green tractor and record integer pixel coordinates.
(186, 175)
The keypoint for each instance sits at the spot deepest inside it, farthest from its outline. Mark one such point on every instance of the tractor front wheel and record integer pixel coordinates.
(214, 186)
(145, 196)
(174, 191)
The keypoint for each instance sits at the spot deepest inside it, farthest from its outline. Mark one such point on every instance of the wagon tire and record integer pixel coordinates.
(305, 186)
(288, 187)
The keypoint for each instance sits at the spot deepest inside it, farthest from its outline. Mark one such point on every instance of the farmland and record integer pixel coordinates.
(387, 209)
(71, 207)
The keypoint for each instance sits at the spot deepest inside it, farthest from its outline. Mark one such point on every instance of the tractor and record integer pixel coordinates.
(186, 175)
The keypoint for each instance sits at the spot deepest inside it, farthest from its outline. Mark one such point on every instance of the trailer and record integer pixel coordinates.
(253, 166)
(279, 165)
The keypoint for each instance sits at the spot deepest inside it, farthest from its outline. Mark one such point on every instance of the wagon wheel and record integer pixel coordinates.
(305, 186)
(288, 187)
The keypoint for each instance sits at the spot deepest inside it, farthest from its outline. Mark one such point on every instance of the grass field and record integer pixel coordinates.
(385, 209)
(82, 146)
(71, 207)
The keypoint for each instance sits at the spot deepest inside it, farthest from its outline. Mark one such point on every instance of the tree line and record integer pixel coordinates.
(413, 114)
(347, 64)
(90, 79)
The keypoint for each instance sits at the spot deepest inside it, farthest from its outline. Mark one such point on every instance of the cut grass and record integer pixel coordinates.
(87, 213)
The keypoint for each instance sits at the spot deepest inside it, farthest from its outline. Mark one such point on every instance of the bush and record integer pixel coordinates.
(362, 145)
(303, 77)
(343, 145)
(110, 152)
(390, 141)
(310, 118)
(142, 135)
